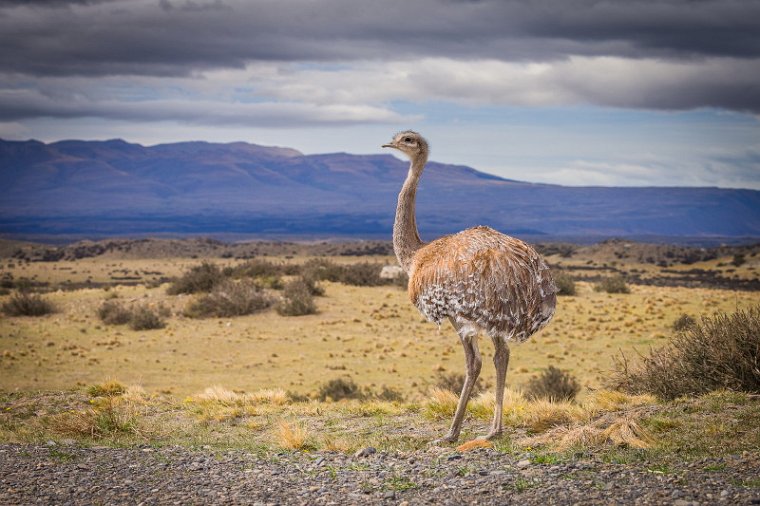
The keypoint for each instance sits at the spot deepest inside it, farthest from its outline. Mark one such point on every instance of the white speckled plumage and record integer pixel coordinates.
(489, 281)
(481, 280)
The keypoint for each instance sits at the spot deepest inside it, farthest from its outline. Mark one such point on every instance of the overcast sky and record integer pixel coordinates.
(572, 92)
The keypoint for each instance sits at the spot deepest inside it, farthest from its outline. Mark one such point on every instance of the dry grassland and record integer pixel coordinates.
(371, 334)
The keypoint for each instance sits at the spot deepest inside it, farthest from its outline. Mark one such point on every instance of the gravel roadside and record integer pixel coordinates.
(61, 474)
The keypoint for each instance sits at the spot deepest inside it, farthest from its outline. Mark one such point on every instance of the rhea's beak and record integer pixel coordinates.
(388, 146)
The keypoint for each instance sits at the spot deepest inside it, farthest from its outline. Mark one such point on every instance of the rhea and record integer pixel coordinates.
(479, 279)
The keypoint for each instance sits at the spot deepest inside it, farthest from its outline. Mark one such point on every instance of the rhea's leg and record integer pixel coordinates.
(473, 363)
(501, 362)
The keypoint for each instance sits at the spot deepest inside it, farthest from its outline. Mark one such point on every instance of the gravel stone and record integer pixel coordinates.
(365, 452)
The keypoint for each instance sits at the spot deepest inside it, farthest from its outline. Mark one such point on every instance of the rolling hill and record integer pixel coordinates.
(113, 187)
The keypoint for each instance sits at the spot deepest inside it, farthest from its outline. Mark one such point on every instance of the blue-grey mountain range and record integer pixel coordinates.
(116, 188)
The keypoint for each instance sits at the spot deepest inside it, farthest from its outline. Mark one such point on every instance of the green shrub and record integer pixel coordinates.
(340, 388)
(720, 352)
(553, 384)
(613, 284)
(113, 313)
(200, 278)
(27, 304)
(146, 318)
(231, 298)
(297, 299)
(565, 283)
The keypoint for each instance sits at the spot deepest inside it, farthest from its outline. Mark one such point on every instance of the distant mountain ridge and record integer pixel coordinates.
(116, 187)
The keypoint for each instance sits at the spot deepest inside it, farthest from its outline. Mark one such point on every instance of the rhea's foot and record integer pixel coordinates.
(447, 439)
(492, 434)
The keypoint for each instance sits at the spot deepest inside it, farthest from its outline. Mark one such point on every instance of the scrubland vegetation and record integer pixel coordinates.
(324, 354)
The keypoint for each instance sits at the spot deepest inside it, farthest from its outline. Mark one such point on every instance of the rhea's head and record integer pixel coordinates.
(411, 143)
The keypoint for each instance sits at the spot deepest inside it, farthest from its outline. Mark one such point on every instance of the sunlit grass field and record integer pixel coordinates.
(371, 334)
(252, 382)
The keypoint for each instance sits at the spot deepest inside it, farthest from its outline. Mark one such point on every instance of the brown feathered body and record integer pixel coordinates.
(483, 279)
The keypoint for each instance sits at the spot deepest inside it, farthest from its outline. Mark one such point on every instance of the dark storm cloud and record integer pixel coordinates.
(25, 104)
(716, 39)
(49, 3)
(180, 36)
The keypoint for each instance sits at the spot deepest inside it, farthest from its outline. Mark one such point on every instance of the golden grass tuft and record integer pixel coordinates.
(337, 444)
(373, 408)
(109, 416)
(543, 414)
(482, 407)
(584, 436)
(110, 388)
(220, 395)
(274, 396)
(626, 431)
(442, 403)
(515, 407)
(623, 431)
(219, 404)
(613, 400)
(291, 436)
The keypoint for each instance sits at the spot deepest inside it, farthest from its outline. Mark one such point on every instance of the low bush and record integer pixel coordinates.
(27, 304)
(231, 298)
(362, 274)
(553, 384)
(146, 318)
(683, 322)
(271, 282)
(312, 284)
(565, 283)
(613, 284)
(390, 394)
(297, 299)
(200, 278)
(340, 388)
(321, 269)
(256, 268)
(453, 382)
(113, 313)
(401, 281)
(720, 352)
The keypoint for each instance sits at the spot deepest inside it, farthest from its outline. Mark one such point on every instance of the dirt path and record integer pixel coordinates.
(56, 474)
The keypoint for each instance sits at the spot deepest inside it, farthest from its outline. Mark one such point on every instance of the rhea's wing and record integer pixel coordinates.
(485, 278)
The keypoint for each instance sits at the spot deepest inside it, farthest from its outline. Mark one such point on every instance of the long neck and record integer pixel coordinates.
(406, 238)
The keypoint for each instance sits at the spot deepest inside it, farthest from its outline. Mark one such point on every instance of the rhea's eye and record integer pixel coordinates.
(408, 139)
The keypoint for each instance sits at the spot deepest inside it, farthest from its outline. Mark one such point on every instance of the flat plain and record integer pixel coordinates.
(370, 334)
(202, 398)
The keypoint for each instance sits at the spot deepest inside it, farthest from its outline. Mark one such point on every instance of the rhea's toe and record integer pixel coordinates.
(493, 434)
(447, 439)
